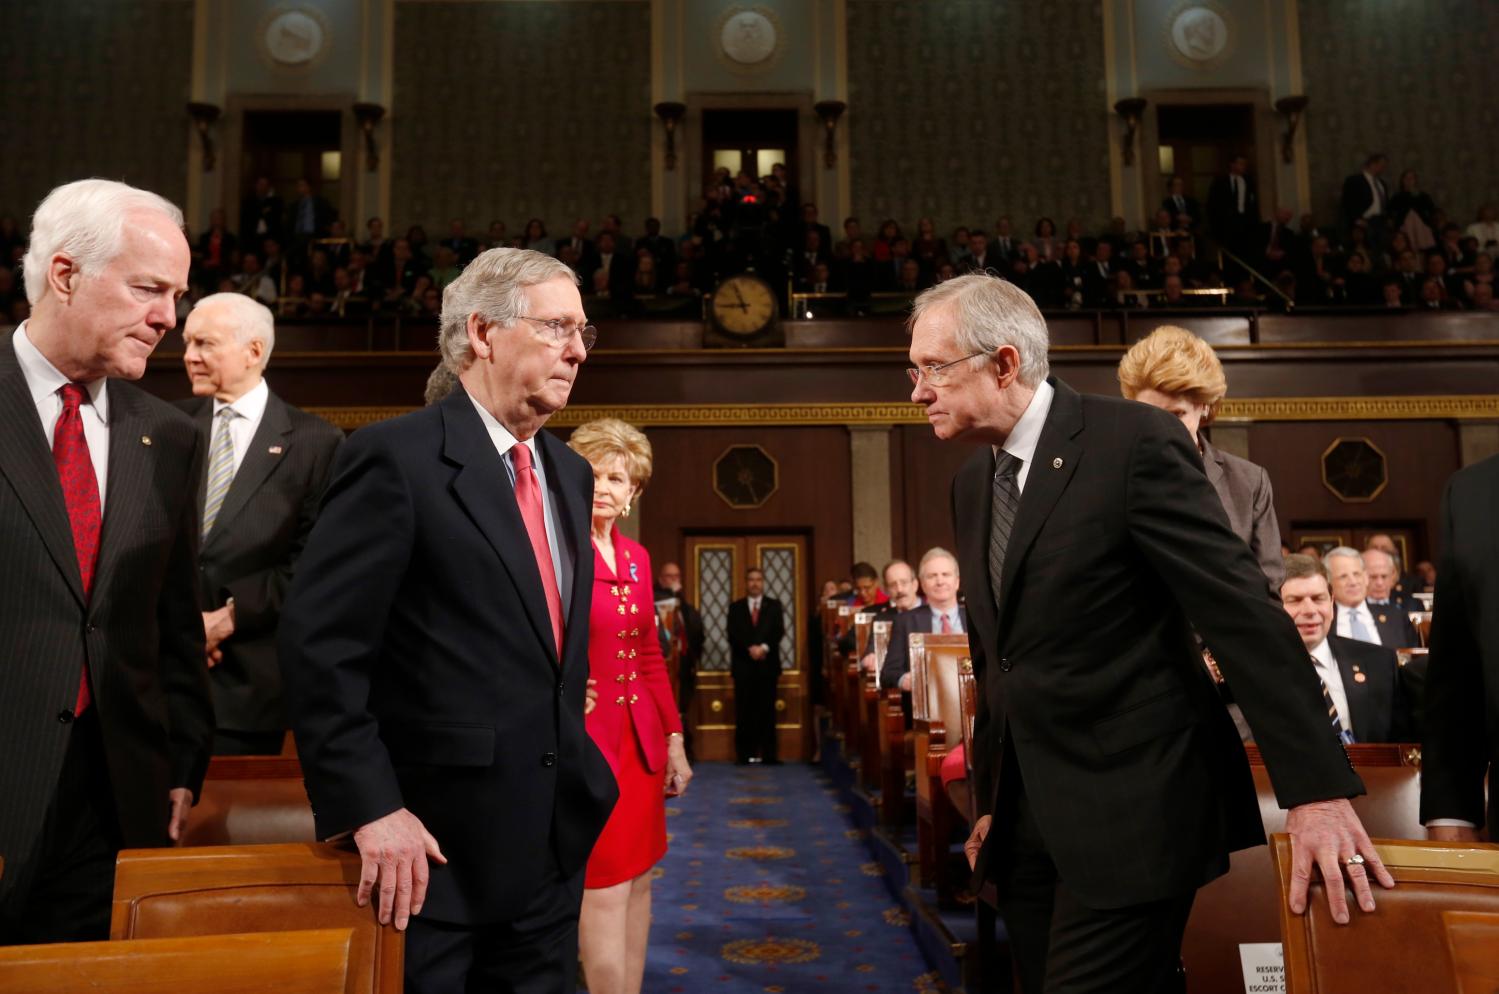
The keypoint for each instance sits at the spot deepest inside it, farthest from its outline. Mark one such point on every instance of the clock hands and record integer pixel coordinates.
(741, 305)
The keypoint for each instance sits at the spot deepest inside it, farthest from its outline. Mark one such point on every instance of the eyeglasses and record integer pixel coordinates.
(936, 375)
(560, 331)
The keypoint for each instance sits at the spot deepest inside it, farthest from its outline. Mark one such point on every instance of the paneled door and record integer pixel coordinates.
(714, 578)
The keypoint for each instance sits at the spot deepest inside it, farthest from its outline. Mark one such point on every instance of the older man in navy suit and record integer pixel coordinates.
(435, 644)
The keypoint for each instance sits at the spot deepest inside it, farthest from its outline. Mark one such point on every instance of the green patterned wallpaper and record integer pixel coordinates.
(964, 110)
(1414, 79)
(513, 110)
(93, 89)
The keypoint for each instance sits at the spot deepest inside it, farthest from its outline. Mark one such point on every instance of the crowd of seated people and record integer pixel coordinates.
(1394, 250)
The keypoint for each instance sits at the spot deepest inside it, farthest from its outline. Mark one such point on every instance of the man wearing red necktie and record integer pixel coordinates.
(434, 647)
(105, 716)
(754, 629)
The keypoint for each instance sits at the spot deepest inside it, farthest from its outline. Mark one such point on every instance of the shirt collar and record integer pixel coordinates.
(44, 379)
(250, 405)
(1026, 434)
(500, 435)
(1323, 654)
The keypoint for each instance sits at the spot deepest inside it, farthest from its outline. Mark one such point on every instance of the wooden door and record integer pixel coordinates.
(713, 575)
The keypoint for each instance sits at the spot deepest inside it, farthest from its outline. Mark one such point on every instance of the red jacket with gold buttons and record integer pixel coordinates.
(624, 656)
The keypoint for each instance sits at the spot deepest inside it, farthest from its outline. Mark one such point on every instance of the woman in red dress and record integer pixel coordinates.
(635, 724)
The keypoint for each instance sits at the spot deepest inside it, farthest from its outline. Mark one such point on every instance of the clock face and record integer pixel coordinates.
(744, 305)
(745, 476)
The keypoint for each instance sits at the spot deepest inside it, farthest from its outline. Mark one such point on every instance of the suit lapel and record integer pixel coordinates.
(268, 447)
(574, 528)
(1054, 463)
(482, 487)
(131, 467)
(972, 502)
(1355, 692)
(28, 466)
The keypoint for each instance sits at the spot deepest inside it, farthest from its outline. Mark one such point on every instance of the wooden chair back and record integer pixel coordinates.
(925, 649)
(317, 961)
(1401, 948)
(968, 701)
(880, 638)
(251, 800)
(1421, 620)
(863, 629)
(1473, 943)
(214, 890)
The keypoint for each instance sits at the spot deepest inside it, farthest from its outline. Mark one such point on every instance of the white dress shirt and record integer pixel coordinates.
(1327, 669)
(251, 411)
(1026, 434)
(1376, 206)
(43, 381)
(1345, 624)
(503, 443)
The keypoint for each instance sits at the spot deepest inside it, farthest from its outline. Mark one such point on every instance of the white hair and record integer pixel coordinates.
(1342, 552)
(1379, 552)
(937, 552)
(493, 287)
(993, 312)
(252, 319)
(85, 220)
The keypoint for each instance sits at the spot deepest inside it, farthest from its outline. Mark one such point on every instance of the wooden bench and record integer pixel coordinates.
(317, 961)
(895, 740)
(869, 702)
(935, 711)
(1473, 944)
(1401, 948)
(216, 890)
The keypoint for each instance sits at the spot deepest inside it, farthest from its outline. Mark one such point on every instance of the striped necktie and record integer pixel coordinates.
(1002, 516)
(1345, 736)
(220, 468)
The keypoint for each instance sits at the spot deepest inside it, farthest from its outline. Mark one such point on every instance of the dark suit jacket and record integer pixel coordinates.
(1379, 705)
(1462, 678)
(419, 667)
(140, 630)
(1244, 489)
(1192, 208)
(742, 634)
(1088, 669)
(898, 655)
(1223, 209)
(252, 551)
(1395, 630)
(1358, 197)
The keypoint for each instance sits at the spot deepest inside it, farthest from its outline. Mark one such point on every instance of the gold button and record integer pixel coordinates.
(634, 698)
(632, 674)
(634, 632)
(621, 609)
(620, 701)
(621, 654)
(613, 591)
(626, 589)
(632, 653)
(623, 634)
(634, 609)
(620, 678)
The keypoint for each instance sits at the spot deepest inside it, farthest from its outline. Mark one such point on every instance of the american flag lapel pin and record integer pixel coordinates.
(145, 439)
(275, 450)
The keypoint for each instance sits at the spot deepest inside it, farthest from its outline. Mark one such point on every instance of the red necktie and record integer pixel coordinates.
(754, 616)
(946, 625)
(528, 496)
(80, 492)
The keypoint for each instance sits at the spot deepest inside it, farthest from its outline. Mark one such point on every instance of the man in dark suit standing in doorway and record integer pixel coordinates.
(756, 624)
(435, 647)
(1462, 677)
(1234, 207)
(264, 474)
(1110, 780)
(105, 717)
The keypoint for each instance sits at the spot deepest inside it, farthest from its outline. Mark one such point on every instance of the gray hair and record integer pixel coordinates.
(252, 319)
(937, 552)
(1342, 552)
(85, 220)
(993, 312)
(493, 287)
(1379, 552)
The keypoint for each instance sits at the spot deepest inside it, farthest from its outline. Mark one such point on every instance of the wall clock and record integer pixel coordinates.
(294, 38)
(745, 476)
(743, 307)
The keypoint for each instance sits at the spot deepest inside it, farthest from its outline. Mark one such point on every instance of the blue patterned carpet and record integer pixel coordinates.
(768, 887)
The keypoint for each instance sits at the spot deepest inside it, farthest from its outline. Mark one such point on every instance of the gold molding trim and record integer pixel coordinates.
(1453, 407)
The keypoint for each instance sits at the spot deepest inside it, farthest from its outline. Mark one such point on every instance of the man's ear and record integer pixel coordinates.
(1006, 365)
(477, 340)
(62, 275)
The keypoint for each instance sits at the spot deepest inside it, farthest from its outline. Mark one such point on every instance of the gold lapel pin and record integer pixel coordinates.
(1056, 463)
(275, 450)
(145, 439)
